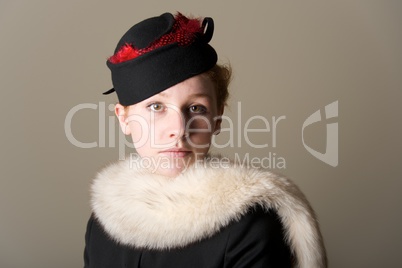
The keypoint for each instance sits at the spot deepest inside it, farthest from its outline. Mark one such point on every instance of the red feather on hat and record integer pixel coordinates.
(183, 32)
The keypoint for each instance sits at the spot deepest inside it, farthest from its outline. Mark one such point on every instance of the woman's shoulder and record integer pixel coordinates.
(258, 239)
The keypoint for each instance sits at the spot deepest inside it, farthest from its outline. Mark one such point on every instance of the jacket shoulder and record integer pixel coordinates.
(257, 239)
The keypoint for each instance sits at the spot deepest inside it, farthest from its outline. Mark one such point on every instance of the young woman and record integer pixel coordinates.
(172, 204)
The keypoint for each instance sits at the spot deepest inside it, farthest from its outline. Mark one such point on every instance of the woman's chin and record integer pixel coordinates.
(171, 172)
(172, 167)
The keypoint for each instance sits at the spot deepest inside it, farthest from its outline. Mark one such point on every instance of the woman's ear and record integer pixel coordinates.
(120, 112)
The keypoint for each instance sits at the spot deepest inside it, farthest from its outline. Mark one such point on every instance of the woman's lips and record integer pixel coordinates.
(176, 152)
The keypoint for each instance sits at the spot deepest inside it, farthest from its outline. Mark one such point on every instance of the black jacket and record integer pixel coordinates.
(256, 240)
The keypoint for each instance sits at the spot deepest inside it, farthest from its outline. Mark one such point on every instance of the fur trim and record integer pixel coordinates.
(142, 209)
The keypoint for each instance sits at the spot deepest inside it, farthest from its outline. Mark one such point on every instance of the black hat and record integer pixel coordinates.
(158, 53)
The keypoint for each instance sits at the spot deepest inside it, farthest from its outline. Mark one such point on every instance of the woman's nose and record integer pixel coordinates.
(176, 123)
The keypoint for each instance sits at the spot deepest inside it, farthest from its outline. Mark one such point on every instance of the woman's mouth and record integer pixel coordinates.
(176, 152)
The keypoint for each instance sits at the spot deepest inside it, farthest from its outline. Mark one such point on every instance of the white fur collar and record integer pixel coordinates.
(142, 209)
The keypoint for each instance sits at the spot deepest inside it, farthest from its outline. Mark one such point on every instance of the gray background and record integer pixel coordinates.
(290, 58)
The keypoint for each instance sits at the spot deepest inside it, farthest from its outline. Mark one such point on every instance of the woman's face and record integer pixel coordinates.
(174, 128)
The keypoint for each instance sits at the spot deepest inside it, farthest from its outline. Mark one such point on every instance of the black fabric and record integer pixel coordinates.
(146, 75)
(255, 241)
(143, 34)
(158, 70)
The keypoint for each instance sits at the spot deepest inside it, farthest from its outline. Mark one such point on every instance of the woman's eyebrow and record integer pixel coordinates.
(202, 95)
(195, 95)
(162, 94)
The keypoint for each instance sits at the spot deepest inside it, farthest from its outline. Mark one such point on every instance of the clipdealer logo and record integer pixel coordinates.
(330, 156)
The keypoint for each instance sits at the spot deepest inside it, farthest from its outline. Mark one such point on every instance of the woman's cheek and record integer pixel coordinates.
(139, 132)
(200, 124)
(201, 133)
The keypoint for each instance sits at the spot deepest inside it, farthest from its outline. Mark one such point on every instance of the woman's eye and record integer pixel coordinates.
(198, 109)
(156, 107)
